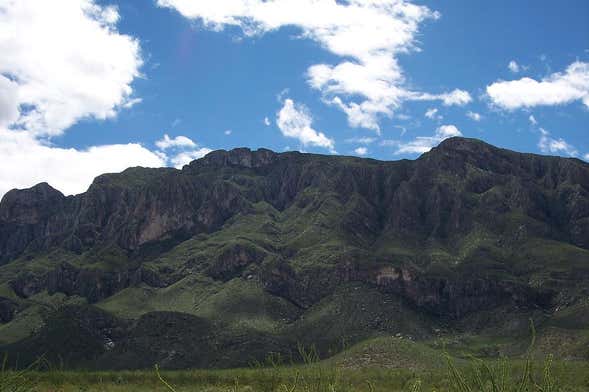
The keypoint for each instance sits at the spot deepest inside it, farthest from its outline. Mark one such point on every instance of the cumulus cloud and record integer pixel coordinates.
(25, 161)
(368, 83)
(556, 89)
(549, 145)
(513, 66)
(179, 141)
(455, 97)
(295, 121)
(586, 157)
(532, 120)
(361, 151)
(66, 61)
(63, 61)
(422, 144)
(266, 121)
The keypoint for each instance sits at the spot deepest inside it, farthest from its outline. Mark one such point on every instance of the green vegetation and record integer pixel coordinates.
(475, 375)
(393, 364)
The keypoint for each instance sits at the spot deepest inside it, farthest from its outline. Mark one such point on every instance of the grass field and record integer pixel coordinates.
(565, 376)
(427, 370)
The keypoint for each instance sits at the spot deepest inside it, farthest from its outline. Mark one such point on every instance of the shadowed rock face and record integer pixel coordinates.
(92, 284)
(25, 216)
(462, 187)
(7, 309)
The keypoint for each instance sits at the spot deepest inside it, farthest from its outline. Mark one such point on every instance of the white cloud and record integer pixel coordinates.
(547, 145)
(368, 34)
(185, 157)
(266, 121)
(67, 61)
(63, 61)
(446, 131)
(513, 66)
(294, 120)
(361, 151)
(184, 150)
(455, 97)
(532, 120)
(432, 113)
(25, 161)
(8, 101)
(556, 89)
(179, 141)
(228, 132)
(474, 116)
(362, 115)
(422, 144)
(586, 157)
(132, 102)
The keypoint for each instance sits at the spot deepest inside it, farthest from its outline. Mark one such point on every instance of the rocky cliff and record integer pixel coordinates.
(464, 228)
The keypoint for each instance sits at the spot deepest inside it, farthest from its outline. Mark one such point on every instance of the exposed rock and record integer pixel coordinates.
(233, 260)
(446, 297)
(7, 309)
(465, 228)
(92, 284)
(430, 198)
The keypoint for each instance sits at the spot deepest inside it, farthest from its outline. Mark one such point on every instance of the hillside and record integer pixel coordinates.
(242, 253)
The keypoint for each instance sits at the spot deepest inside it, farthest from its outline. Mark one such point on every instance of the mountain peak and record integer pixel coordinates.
(42, 191)
(241, 157)
(464, 144)
(30, 205)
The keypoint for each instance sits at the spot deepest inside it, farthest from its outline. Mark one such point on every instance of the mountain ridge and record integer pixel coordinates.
(465, 229)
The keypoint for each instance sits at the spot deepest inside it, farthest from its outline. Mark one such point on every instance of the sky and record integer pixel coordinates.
(91, 86)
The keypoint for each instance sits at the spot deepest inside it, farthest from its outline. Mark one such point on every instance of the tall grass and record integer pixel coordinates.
(16, 380)
(479, 376)
(484, 377)
(277, 375)
(571, 376)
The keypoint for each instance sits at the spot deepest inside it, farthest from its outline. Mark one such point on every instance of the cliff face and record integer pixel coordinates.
(444, 193)
(465, 227)
(461, 186)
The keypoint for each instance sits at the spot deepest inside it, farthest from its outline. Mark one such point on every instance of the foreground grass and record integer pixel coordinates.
(564, 376)
(333, 375)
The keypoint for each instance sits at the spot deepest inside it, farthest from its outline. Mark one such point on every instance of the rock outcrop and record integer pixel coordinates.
(446, 192)
(461, 190)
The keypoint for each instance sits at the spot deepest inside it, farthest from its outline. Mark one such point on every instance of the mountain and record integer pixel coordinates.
(242, 253)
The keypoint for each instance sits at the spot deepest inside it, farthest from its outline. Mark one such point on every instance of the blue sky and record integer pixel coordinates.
(97, 86)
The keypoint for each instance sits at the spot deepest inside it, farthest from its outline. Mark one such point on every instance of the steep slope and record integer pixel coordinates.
(272, 248)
